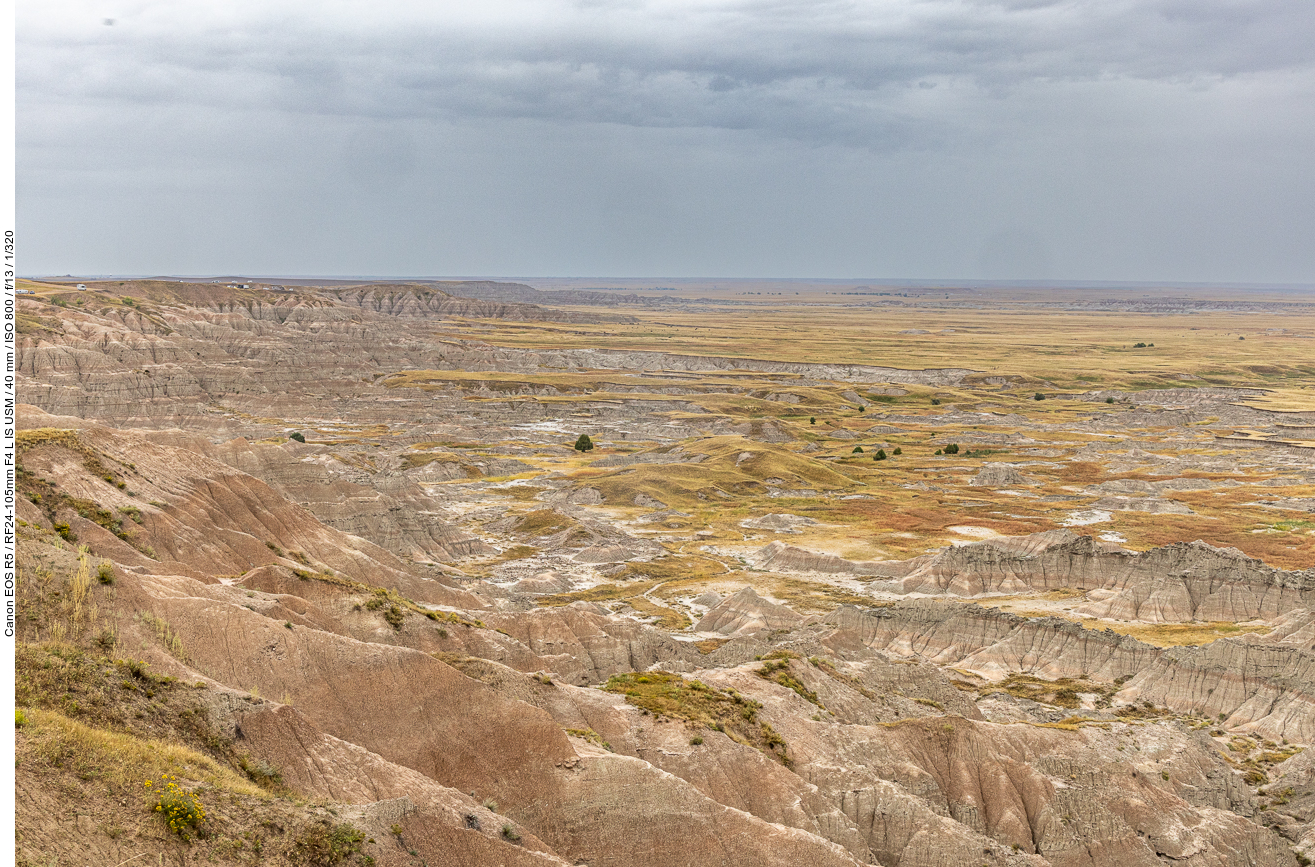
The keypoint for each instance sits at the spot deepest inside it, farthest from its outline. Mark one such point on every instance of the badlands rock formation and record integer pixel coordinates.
(1176, 583)
(426, 629)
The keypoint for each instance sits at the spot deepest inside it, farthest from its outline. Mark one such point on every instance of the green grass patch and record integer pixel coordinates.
(670, 695)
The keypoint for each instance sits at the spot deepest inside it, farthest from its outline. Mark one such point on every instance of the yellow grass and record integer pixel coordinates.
(123, 761)
(1181, 634)
(1067, 348)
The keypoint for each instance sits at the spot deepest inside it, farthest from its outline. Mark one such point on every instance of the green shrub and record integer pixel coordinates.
(898, 451)
(880, 455)
(952, 449)
(812, 420)
(858, 450)
(509, 834)
(20, 718)
(394, 616)
(105, 573)
(1039, 396)
(695, 741)
(261, 772)
(1109, 400)
(935, 401)
(326, 845)
(296, 435)
(584, 444)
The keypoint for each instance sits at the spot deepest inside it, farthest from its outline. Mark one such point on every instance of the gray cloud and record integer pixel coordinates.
(1063, 114)
(828, 71)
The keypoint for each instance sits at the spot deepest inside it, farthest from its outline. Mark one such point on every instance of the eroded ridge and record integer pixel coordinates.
(393, 574)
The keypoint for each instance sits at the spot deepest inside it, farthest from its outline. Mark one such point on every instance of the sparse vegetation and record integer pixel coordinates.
(325, 844)
(671, 696)
(777, 668)
(592, 736)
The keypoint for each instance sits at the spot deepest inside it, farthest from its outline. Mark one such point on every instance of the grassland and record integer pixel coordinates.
(1071, 349)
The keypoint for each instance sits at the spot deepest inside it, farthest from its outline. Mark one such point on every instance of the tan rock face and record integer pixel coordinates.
(1176, 583)
(788, 558)
(1255, 683)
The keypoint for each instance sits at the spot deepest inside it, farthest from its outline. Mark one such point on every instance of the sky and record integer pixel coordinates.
(1140, 140)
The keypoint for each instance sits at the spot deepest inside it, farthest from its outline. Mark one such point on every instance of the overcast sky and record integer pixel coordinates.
(1087, 139)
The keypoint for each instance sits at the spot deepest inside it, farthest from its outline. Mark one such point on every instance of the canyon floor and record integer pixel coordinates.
(848, 576)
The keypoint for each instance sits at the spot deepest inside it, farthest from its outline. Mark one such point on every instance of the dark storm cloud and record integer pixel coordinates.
(1118, 139)
(820, 71)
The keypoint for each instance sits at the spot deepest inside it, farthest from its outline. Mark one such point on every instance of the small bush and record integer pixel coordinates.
(491, 805)
(105, 573)
(938, 451)
(296, 435)
(1241, 338)
(65, 532)
(858, 450)
(1109, 400)
(935, 401)
(898, 451)
(394, 616)
(261, 772)
(1139, 345)
(326, 846)
(509, 834)
(584, 444)
(952, 449)
(812, 420)
(694, 741)
(20, 718)
(180, 809)
(880, 455)
(1039, 396)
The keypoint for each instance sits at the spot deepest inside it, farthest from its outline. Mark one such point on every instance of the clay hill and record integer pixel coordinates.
(321, 576)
